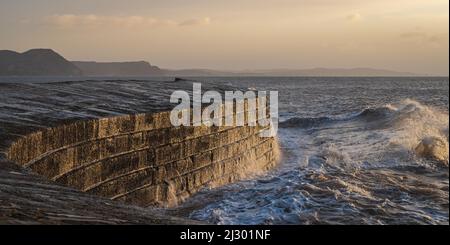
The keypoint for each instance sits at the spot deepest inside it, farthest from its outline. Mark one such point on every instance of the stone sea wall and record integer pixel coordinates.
(142, 159)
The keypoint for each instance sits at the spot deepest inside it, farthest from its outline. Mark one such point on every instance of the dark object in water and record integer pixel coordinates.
(179, 79)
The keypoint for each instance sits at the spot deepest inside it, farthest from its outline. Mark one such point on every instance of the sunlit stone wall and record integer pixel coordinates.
(142, 159)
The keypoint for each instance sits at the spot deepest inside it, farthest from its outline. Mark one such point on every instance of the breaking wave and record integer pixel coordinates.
(409, 125)
(421, 129)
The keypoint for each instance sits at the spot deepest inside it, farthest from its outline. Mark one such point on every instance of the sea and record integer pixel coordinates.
(354, 150)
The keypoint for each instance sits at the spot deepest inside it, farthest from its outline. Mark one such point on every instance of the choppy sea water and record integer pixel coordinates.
(354, 151)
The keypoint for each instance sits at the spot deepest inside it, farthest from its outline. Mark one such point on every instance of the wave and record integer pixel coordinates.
(408, 125)
(420, 129)
(369, 114)
(434, 148)
(297, 122)
(375, 114)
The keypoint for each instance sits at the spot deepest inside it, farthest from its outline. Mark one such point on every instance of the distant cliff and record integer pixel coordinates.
(331, 72)
(47, 62)
(36, 62)
(200, 73)
(314, 72)
(138, 68)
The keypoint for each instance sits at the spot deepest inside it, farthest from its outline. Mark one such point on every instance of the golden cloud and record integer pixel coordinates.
(195, 22)
(71, 20)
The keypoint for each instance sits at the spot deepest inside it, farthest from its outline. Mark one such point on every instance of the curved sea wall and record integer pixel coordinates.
(142, 159)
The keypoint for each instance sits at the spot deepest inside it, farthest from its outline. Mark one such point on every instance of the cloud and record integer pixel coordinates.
(353, 17)
(93, 21)
(196, 22)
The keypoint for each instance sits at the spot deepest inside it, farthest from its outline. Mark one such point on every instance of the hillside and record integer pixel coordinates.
(134, 68)
(36, 62)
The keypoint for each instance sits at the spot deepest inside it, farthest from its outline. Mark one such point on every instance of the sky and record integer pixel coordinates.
(401, 35)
